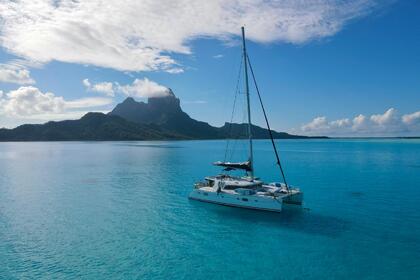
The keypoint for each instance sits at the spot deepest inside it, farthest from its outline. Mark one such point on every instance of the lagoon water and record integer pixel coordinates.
(119, 210)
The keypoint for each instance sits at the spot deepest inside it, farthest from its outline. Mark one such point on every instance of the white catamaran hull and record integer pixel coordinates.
(295, 198)
(241, 201)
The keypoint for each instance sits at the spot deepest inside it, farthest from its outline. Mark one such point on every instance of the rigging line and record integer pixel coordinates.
(268, 125)
(238, 135)
(234, 147)
(233, 110)
(229, 134)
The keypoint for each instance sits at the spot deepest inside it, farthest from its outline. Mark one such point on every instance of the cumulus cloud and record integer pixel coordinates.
(359, 122)
(88, 102)
(106, 88)
(389, 117)
(411, 119)
(134, 35)
(319, 123)
(29, 103)
(143, 88)
(16, 74)
(390, 123)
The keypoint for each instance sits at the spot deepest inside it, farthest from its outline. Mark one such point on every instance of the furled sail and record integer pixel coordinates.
(235, 165)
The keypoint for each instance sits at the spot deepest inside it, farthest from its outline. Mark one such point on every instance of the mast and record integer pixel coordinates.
(248, 103)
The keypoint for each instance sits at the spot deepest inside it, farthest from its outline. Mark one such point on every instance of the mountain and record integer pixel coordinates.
(240, 131)
(160, 118)
(92, 126)
(166, 113)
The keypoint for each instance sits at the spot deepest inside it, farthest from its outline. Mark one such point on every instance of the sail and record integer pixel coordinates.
(246, 165)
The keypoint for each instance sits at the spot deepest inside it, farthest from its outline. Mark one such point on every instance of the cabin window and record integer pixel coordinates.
(244, 199)
(211, 183)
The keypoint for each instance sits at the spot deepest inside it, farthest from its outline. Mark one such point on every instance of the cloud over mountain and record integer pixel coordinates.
(141, 88)
(144, 88)
(106, 88)
(143, 35)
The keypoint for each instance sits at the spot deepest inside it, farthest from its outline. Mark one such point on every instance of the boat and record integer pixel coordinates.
(247, 191)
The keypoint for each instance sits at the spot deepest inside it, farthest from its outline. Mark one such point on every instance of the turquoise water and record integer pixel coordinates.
(101, 210)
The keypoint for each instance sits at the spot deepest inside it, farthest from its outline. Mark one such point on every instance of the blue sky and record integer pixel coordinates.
(334, 69)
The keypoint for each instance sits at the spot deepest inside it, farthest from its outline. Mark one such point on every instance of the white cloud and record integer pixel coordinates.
(142, 35)
(106, 88)
(322, 124)
(390, 116)
(10, 73)
(88, 102)
(86, 83)
(319, 123)
(29, 103)
(341, 123)
(175, 70)
(390, 123)
(359, 122)
(217, 56)
(194, 102)
(413, 118)
(143, 88)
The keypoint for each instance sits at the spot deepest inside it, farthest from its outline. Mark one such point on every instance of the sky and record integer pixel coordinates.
(324, 67)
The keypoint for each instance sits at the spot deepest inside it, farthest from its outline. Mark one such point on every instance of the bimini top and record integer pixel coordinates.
(235, 165)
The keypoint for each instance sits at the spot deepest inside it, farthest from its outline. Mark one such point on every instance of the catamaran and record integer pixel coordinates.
(247, 191)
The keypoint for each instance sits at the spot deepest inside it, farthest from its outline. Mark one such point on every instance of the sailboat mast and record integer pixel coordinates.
(248, 103)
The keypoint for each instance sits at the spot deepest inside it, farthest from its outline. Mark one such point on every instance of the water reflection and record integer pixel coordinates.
(164, 146)
(293, 218)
